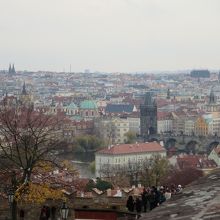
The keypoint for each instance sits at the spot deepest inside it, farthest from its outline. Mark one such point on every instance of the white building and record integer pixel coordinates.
(215, 155)
(121, 155)
(164, 125)
(164, 122)
(216, 123)
(134, 124)
(189, 126)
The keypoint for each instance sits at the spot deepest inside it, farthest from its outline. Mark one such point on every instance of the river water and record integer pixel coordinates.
(83, 168)
(81, 162)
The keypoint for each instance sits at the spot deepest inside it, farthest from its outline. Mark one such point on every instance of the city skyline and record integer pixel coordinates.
(110, 36)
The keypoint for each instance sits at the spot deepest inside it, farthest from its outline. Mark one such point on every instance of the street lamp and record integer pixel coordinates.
(64, 211)
(10, 197)
(11, 202)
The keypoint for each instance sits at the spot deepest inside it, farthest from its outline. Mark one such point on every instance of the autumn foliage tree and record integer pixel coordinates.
(88, 143)
(154, 170)
(27, 141)
(26, 138)
(182, 176)
(149, 172)
(117, 176)
(131, 137)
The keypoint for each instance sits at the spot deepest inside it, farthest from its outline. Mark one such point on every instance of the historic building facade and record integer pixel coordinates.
(113, 130)
(122, 155)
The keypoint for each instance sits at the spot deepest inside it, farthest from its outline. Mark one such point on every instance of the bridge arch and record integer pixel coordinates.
(170, 142)
(191, 146)
(212, 145)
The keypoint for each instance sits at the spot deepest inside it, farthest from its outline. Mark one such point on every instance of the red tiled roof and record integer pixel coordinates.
(172, 149)
(195, 161)
(163, 115)
(162, 102)
(133, 148)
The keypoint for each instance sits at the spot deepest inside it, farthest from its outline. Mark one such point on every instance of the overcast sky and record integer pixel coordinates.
(110, 35)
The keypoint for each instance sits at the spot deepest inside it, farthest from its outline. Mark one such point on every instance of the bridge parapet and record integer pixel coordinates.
(181, 141)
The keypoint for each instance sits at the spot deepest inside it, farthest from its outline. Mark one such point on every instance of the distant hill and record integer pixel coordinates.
(200, 73)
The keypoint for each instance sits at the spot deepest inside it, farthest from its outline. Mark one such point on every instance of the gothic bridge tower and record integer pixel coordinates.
(148, 116)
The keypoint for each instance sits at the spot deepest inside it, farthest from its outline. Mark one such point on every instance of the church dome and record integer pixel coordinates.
(72, 106)
(88, 104)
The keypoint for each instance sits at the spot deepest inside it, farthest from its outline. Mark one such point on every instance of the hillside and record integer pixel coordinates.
(200, 200)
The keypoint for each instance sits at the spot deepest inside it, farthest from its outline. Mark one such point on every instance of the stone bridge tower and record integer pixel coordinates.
(148, 116)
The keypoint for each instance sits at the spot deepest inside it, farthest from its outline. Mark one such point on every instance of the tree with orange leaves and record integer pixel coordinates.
(27, 141)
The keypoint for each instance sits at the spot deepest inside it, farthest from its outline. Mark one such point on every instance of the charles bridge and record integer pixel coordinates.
(186, 143)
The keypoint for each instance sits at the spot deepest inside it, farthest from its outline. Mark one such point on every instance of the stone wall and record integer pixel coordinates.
(118, 203)
(32, 211)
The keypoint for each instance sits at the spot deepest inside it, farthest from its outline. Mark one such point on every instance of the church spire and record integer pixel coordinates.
(9, 69)
(168, 93)
(148, 99)
(53, 103)
(24, 92)
(13, 69)
(212, 97)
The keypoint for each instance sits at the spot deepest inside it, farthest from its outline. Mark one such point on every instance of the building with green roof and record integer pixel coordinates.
(72, 109)
(88, 104)
(88, 109)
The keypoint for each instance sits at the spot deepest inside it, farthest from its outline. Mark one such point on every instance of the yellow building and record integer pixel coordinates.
(114, 130)
(203, 126)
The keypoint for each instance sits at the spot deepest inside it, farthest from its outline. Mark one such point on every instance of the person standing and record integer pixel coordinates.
(130, 204)
(53, 213)
(43, 214)
(167, 194)
(152, 199)
(144, 199)
(138, 206)
(21, 214)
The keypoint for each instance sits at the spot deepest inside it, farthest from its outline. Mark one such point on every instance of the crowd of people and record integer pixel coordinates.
(150, 198)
